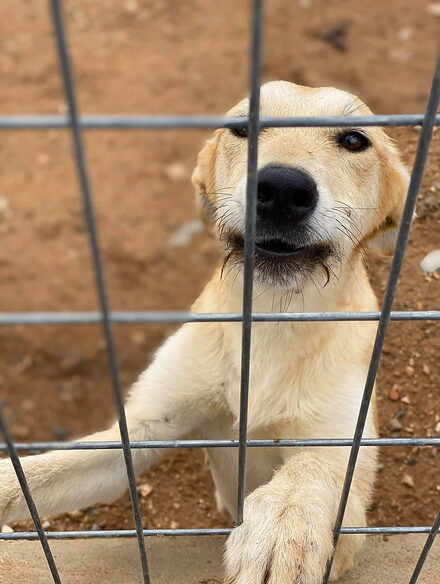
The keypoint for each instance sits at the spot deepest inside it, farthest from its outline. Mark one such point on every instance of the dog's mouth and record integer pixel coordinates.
(278, 249)
(282, 262)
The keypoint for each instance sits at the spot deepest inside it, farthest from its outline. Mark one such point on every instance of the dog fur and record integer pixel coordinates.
(306, 378)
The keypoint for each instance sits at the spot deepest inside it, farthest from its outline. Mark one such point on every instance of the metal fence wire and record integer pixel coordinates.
(106, 318)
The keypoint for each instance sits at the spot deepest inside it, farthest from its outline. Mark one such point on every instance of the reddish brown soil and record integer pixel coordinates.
(186, 57)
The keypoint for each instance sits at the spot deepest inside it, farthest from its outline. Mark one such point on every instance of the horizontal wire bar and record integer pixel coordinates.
(261, 443)
(112, 533)
(133, 122)
(176, 316)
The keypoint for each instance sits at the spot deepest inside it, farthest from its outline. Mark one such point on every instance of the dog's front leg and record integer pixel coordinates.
(170, 399)
(286, 536)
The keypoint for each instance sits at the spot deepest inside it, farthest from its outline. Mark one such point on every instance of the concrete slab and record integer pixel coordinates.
(193, 560)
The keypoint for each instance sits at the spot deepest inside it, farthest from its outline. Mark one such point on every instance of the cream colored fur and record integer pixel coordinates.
(306, 378)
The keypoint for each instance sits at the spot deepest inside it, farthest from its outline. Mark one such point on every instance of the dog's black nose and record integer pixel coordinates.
(285, 194)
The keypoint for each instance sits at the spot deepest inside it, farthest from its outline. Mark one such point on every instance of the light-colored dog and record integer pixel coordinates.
(324, 195)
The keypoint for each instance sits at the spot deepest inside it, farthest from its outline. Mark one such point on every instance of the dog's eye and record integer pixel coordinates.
(354, 141)
(241, 132)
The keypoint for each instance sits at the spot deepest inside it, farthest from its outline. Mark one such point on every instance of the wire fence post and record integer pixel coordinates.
(402, 239)
(426, 549)
(84, 183)
(249, 243)
(28, 497)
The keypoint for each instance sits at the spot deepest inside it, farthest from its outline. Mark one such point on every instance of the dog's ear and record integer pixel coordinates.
(394, 183)
(203, 178)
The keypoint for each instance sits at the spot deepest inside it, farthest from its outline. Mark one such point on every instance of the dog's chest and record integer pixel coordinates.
(283, 375)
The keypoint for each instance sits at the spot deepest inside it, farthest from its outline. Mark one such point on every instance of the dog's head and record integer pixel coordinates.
(324, 194)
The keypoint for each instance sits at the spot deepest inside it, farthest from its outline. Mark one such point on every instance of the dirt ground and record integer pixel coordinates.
(188, 57)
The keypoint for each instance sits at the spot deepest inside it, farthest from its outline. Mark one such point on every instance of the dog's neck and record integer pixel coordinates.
(343, 292)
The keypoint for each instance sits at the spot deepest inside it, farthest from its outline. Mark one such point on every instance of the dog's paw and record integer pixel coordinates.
(278, 543)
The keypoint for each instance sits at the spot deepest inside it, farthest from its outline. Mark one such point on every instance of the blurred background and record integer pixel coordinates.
(187, 57)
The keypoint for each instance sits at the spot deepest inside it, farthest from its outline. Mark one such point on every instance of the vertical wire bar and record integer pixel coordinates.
(426, 549)
(28, 497)
(402, 238)
(249, 242)
(79, 155)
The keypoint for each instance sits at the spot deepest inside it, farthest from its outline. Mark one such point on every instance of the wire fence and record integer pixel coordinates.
(76, 124)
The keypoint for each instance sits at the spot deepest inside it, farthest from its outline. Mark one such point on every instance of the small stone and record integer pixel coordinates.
(174, 525)
(408, 481)
(5, 214)
(27, 405)
(434, 8)
(7, 529)
(395, 424)
(411, 460)
(397, 54)
(183, 235)
(131, 6)
(145, 490)
(336, 36)
(409, 371)
(394, 393)
(425, 368)
(43, 158)
(437, 488)
(431, 262)
(21, 432)
(405, 34)
(437, 427)
(176, 171)
(95, 527)
(24, 364)
(72, 363)
(72, 254)
(46, 524)
(405, 400)
(60, 433)
(419, 305)
(75, 514)
(138, 338)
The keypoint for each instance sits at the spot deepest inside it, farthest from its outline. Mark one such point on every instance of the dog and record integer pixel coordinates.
(325, 195)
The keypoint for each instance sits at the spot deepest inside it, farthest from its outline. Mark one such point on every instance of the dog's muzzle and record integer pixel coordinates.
(285, 244)
(286, 196)
(286, 200)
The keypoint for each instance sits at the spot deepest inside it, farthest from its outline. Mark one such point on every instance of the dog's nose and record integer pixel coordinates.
(285, 194)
